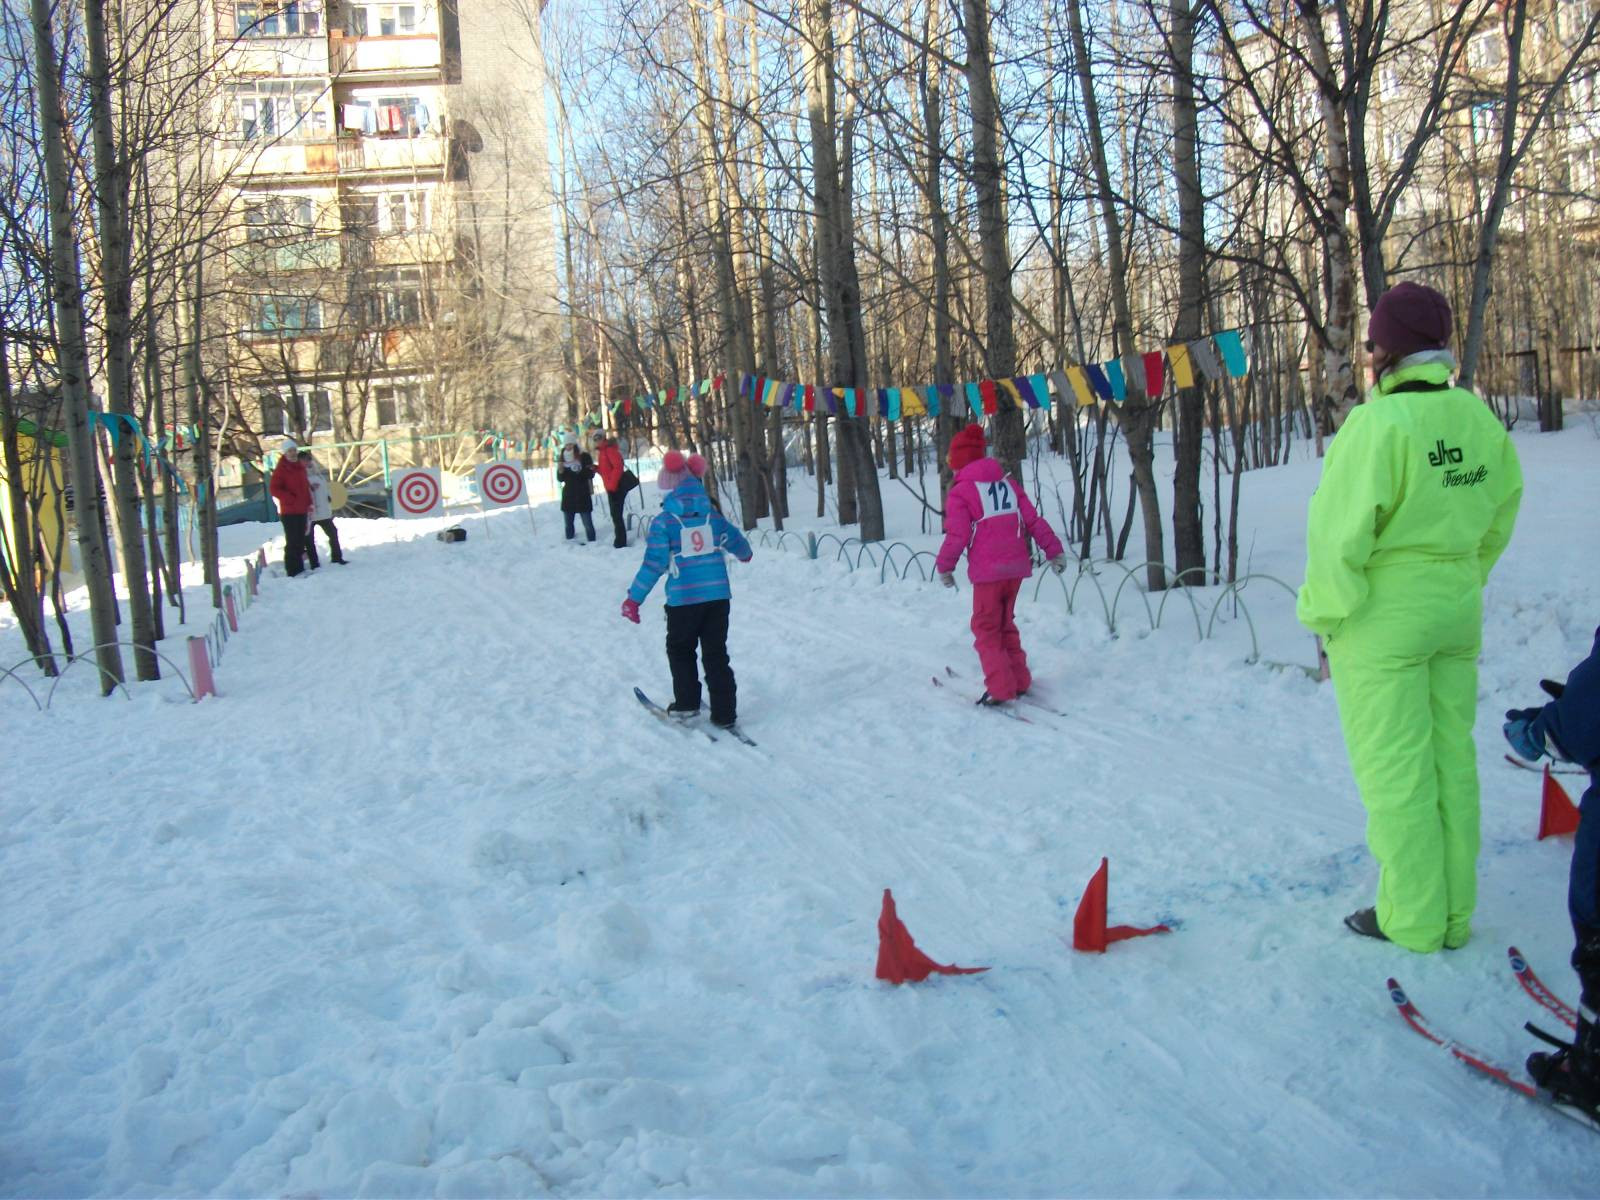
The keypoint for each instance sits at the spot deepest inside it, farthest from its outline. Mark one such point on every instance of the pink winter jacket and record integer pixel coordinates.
(986, 514)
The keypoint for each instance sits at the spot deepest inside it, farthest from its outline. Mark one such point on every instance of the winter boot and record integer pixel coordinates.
(683, 714)
(1571, 1075)
(1365, 922)
(989, 701)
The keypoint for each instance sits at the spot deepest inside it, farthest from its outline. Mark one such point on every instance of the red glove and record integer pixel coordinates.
(630, 609)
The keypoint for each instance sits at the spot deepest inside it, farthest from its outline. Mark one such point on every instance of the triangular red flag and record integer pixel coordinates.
(1089, 930)
(1557, 815)
(899, 960)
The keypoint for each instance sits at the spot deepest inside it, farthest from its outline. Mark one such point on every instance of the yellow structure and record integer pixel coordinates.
(43, 455)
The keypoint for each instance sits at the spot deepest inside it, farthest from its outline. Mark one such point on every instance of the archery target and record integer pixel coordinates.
(500, 484)
(417, 492)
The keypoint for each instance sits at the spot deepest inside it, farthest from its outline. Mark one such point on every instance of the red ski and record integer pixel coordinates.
(1536, 988)
(1415, 1019)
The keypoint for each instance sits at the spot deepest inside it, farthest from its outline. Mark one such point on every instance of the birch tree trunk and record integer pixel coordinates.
(111, 190)
(1000, 339)
(73, 359)
(1338, 342)
(1136, 414)
(836, 271)
(1188, 534)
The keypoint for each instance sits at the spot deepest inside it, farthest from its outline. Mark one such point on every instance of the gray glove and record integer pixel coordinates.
(1058, 564)
(947, 578)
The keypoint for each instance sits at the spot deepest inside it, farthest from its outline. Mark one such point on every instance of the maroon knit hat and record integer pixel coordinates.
(1410, 317)
(966, 447)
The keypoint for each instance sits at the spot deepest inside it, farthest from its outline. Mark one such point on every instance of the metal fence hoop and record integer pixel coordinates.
(888, 559)
(11, 673)
(915, 561)
(1127, 577)
(74, 659)
(1188, 593)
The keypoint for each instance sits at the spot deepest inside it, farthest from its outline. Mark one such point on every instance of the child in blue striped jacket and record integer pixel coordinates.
(686, 543)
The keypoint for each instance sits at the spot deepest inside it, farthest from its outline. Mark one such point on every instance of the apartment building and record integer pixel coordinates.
(1541, 331)
(391, 271)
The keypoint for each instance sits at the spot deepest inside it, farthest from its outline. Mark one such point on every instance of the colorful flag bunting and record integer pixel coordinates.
(1040, 385)
(1154, 373)
(1232, 348)
(1114, 376)
(1205, 359)
(1182, 368)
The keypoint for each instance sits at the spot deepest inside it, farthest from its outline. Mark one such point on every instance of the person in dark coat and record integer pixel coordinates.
(292, 490)
(575, 471)
(611, 471)
(1569, 727)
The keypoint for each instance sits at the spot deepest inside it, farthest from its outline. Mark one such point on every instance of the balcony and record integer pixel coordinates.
(276, 56)
(416, 155)
(261, 258)
(268, 158)
(415, 54)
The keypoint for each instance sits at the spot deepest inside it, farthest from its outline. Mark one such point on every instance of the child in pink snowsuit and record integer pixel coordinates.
(987, 514)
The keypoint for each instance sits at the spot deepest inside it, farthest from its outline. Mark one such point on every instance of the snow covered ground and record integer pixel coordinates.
(424, 904)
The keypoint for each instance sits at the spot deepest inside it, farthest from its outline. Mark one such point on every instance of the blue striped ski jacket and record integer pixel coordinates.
(692, 578)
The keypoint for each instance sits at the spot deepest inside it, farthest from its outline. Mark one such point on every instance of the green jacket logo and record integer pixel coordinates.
(1443, 454)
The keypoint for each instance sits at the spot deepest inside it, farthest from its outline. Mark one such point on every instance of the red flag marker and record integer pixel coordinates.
(899, 960)
(1557, 815)
(1089, 930)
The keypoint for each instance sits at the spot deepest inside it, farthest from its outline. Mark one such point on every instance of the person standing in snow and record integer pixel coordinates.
(686, 542)
(987, 514)
(1418, 496)
(292, 491)
(1569, 727)
(576, 473)
(612, 469)
(320, 515)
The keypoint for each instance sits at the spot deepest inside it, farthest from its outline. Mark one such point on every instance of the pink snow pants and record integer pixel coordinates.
(999, 645)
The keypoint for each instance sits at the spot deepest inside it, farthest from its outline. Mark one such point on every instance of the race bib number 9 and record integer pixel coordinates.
(697, 541)
(999, 498)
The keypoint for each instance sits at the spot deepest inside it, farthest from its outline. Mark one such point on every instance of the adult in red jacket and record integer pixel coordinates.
(609, 457)
(292, 490)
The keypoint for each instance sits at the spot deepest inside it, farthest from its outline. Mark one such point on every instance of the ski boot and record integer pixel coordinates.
(1570, 1075)
(988, 701)
(682, 714)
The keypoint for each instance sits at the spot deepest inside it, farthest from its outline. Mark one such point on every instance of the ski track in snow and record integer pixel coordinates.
(425, 905)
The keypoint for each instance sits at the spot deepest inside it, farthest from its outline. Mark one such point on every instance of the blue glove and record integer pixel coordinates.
(1524, 732)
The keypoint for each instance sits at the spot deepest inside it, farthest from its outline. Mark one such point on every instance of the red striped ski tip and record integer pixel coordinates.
(1540, 992)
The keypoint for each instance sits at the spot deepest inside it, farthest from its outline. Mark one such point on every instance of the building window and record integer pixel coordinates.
(1572, 19)
(403, 212)
(1581, 169)
(399, 403)
(382, 20)
(359, 213)
(1486, 124)
(1389, 81)
(279, 109)
(285, 314)
(270, 18)
(277, 218)
(394, 298)
(296, 410)
(1486, 51)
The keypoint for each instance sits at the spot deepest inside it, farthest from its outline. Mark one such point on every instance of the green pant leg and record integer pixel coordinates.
(1453, 684)
(1384, 695)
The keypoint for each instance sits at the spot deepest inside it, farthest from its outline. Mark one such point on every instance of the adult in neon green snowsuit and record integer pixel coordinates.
(1418, 496)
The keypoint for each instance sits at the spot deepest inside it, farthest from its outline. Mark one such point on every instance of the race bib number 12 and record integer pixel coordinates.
(999, 500)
